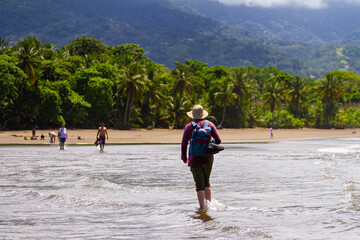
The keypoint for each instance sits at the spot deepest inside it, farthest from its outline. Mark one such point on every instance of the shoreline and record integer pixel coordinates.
(166, 136)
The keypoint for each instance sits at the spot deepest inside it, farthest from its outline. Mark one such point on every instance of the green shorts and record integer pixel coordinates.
(201, 175)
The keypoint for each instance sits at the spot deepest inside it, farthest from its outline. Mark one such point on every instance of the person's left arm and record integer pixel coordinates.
(107, 135)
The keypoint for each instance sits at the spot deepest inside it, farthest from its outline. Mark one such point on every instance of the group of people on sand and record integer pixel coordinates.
(63, 136)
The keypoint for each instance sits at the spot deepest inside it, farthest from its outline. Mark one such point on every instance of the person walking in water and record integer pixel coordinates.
(62, 134)
(101, 136)
(200, 166)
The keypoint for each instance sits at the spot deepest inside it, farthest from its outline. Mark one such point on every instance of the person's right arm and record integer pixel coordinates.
(215, 134)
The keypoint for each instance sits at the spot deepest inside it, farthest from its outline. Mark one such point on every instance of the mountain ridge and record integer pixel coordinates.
(165, 32)
(302, 25)
(168, 30)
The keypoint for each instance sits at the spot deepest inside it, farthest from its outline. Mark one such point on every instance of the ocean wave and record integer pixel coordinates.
(346, 149)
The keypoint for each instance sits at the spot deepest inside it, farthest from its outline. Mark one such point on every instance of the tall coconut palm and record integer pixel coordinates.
(242, 84)
(155, 74)
(225, 98)
(275, 93)
(183, 80)
(133, 81)
(330, 89)
(153, 95)
(298, 94)
(28, 57)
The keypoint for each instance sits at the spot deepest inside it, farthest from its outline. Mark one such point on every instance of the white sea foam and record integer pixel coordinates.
(214, 205)
(346, 149)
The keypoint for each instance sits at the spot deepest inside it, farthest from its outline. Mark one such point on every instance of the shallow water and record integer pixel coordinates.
(282, 190)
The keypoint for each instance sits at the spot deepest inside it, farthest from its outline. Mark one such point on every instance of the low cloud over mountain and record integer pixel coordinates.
(311, 4)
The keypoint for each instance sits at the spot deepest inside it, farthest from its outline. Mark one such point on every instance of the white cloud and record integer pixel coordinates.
(313, 4)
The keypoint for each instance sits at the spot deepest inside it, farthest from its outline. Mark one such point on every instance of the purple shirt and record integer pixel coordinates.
(195, 161)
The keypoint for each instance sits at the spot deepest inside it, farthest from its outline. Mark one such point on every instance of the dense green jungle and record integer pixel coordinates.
(87, 82)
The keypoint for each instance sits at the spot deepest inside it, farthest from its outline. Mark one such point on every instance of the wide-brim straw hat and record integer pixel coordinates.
(198, 112)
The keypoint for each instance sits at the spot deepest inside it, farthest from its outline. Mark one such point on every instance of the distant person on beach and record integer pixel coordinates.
(62, 134)
(52, 136)
(42, 137)
(271, 132)
(100, 136)
(200, 166)
(33, 136)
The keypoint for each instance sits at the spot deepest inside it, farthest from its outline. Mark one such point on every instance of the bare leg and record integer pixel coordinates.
(208, 194)
(201, 198)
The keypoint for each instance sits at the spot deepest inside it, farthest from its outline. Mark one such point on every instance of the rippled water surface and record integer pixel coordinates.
(281, 190)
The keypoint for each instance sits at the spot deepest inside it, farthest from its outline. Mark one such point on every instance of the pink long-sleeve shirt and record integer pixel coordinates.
(195, 161)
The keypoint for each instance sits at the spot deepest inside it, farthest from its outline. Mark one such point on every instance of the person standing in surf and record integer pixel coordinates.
(200, 166)
(101, 136)
(62, 134)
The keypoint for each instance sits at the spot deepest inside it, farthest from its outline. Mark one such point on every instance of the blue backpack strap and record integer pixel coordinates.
(194, 124)
(206, 124)
(196, 128)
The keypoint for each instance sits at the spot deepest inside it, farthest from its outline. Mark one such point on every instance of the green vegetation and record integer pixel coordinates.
(87, 82)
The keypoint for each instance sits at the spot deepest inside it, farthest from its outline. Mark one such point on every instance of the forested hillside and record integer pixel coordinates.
(167, 31)
(313, 39)
(334, 23)
(170, 31)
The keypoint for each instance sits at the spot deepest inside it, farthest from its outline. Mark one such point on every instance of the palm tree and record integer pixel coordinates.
(275, 93)
(242, 85)
(155, 74)
(298, 93)
(28, 57)
(183, 79)
(154, 95)
(47, 51)
(330, 89)
(224, 98)
(134, 84)
(176, 111)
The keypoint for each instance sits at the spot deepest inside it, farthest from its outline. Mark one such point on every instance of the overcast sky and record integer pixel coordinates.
(294, 3)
